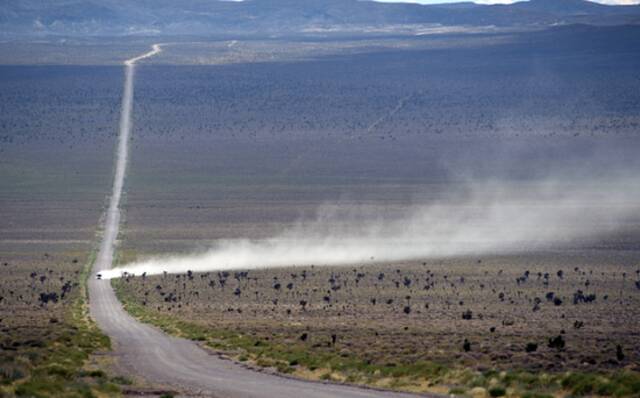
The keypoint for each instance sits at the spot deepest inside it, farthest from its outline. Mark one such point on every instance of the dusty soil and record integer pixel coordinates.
(426, 310)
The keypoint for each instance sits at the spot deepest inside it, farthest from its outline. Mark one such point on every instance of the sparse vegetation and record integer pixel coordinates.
(52, 195)
(52, 359)
(413, 351)
(245, 150)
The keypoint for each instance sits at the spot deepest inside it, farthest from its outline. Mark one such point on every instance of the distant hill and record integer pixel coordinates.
(566, 7)
(202, 17)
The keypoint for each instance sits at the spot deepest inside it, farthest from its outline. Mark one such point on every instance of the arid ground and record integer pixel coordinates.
(229, 146)
(423, 325)
(52, 193)
(254, 162)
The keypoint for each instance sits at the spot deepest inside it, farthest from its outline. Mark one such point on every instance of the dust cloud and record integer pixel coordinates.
(483, 218)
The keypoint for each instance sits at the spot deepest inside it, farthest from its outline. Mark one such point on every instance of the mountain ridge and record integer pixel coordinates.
(201, 17)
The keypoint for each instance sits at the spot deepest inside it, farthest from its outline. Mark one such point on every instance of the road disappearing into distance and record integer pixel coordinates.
(162, 360)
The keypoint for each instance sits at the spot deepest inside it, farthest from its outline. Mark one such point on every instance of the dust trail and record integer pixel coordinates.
(488, 218)
(112, 222)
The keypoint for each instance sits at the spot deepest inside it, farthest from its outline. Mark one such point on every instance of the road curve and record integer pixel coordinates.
(168, 361)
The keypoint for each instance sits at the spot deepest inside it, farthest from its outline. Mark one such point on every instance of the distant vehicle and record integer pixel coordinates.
(98, 276)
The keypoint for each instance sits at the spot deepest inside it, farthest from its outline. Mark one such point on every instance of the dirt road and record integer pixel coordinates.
(178, 363)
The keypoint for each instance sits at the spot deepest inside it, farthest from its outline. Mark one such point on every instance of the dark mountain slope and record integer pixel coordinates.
(124, 17)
